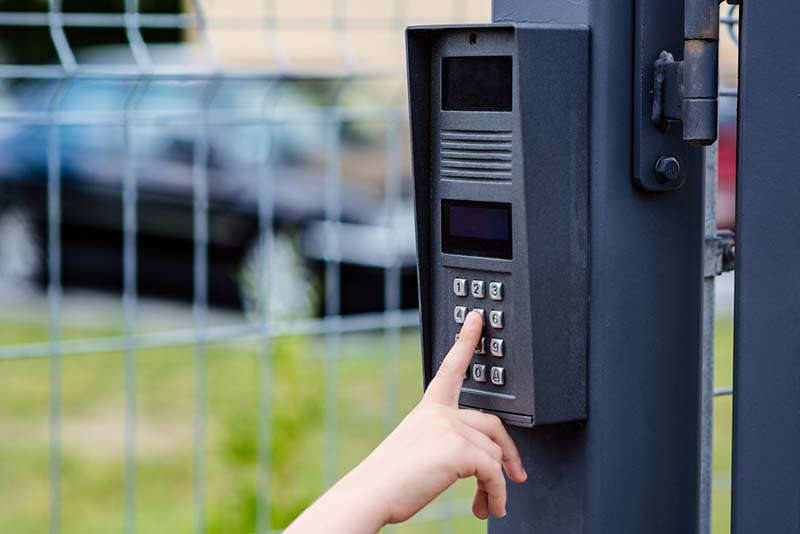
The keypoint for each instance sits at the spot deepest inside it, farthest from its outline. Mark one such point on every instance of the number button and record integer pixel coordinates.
(496, 290)
(482, 313)
(477, 289)
(496, 319)
(459, 314)
(498, 375)
(460, 287)
(496, 347)
(479, 372)
(480, 348)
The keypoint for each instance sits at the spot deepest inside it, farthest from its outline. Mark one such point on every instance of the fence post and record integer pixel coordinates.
(766, 402)
(632, 467)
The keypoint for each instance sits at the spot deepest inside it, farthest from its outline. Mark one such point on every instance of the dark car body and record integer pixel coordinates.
(173, 161)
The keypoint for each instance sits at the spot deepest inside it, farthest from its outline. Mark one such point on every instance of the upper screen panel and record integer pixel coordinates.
(476, 83)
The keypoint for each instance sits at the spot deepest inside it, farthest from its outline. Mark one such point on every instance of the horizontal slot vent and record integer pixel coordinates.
(473, 154)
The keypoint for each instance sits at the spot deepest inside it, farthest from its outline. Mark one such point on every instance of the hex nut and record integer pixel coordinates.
(668, 170)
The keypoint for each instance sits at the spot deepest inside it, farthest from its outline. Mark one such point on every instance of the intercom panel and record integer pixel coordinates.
(499, 124)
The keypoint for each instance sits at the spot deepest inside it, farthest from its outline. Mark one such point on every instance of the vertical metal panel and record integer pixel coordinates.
(633, 466)
(766, 463)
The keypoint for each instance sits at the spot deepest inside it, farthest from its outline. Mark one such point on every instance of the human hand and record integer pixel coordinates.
(435, 445)
(438, 443)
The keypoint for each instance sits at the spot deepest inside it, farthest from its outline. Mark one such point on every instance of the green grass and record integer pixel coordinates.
(92, 404)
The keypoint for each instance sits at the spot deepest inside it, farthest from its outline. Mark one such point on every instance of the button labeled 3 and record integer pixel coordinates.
(496, 290)
(477, 289)
(479, 372)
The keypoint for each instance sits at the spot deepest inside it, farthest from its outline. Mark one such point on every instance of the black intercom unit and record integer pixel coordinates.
(500, 129)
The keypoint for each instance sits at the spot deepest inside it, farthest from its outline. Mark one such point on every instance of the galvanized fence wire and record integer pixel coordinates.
(211, 73)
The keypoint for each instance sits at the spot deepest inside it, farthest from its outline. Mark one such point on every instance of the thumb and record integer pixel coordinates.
(446, 385)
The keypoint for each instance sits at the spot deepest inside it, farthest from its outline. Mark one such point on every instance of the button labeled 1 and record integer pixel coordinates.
(460, 287)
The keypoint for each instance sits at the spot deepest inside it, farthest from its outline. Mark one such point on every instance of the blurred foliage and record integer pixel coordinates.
(92, 405)
(32, 45)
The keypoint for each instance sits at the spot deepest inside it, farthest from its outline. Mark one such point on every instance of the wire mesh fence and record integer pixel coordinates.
(231, 181)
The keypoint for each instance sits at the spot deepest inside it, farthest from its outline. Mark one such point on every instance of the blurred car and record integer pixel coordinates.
(93, 160)
(726, 158)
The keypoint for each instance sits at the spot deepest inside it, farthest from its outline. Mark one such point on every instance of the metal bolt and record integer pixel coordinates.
(668, 170)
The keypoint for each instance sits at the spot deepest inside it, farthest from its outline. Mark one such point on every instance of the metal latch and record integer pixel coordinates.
(720, 254)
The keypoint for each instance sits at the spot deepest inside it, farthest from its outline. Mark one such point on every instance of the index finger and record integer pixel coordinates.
(446, 385)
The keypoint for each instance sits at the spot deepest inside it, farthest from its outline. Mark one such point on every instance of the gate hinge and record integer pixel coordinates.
(686, 91)
(720, 253)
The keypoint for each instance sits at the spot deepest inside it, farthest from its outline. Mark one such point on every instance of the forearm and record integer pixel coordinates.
(349, 507)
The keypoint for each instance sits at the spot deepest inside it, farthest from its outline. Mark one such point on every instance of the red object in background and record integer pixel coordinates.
(726, 182)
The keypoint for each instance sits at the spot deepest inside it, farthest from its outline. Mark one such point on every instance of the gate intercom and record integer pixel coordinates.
(499, 127)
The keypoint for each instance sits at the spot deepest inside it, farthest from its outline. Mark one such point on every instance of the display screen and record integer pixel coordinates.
(476, 228)
(476, 83)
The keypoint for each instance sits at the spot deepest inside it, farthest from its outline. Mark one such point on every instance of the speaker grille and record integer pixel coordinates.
(473, 154)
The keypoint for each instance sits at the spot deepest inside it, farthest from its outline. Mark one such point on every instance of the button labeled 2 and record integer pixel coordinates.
(477, 289)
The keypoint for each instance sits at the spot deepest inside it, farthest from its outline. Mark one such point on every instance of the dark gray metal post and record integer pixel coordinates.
(632, 466)
(766, 402)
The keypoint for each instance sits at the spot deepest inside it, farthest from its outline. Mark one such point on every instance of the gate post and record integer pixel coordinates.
(632, 467)
(766, 383)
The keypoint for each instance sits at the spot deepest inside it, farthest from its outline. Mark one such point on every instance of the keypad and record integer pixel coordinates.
(469, 295)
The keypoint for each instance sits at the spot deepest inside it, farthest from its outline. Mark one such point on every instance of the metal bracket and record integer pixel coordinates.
(720, 254)
(676, 92)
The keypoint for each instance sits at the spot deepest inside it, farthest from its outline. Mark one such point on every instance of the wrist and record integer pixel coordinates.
(361, 498)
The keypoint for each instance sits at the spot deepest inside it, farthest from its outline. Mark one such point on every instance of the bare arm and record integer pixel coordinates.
(435, 445)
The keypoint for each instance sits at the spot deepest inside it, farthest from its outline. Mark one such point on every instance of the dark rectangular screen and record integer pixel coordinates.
(476, 228)
(476, 83)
